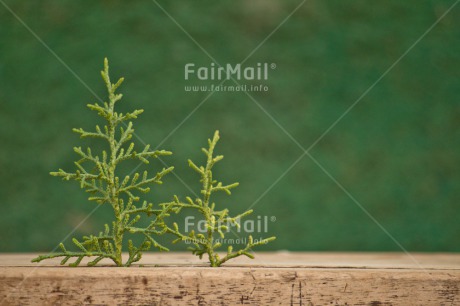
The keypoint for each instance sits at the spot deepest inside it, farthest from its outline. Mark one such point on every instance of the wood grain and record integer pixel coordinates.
(271, 279)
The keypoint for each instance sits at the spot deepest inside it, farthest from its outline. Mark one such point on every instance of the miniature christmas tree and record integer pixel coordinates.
(217, 221)
(98, 175)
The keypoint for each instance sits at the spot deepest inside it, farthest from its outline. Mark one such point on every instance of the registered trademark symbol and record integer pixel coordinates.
(273, 66)
(273, 218)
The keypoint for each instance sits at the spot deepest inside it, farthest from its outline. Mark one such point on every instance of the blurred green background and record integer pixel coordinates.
(397, 152)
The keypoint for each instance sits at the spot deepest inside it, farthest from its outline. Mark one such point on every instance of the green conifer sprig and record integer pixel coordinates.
(98, 176)
(217, 221)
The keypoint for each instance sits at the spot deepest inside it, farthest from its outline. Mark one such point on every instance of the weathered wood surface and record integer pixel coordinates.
(280, 278)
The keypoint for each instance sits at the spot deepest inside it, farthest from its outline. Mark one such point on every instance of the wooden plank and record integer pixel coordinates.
(280, 278)
(280, 259)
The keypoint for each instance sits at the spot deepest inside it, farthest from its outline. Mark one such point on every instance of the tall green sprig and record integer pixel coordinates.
(217, 221)
(97, 174)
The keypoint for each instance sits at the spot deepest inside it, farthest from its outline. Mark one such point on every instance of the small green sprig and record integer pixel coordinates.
(105, 186)
(217, 221)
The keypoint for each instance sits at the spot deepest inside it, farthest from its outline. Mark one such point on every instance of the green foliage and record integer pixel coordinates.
(397, 152)
(218, 222)
(98, 176)
(101, 179)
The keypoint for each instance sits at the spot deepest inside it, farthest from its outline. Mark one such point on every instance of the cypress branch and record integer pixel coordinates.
(216, 221)
(103, 183)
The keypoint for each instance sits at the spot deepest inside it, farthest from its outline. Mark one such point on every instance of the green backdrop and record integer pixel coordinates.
(396, 153)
